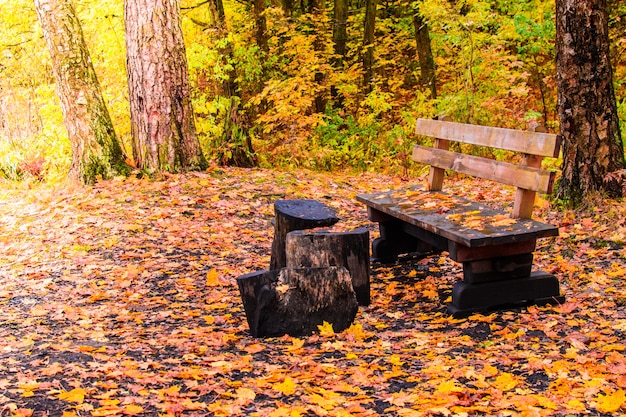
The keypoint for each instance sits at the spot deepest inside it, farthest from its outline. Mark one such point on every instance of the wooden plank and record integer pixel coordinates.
(455, 218)
(525, 199)
(534, 143)
(461, 253)
(436, 175)
(528, 178)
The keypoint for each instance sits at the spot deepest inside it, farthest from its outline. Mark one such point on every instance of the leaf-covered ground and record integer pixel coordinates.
(121, 300)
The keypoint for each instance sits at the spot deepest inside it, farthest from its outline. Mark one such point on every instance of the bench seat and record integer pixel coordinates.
(454, 218)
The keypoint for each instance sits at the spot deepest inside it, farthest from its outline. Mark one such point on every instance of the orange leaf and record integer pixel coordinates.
(245, 395)
(133, 409)
(77, 395)
(287, 387)
(610, 403)
(212, 278)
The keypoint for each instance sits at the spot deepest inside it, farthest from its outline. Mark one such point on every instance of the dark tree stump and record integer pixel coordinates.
(296, 215)
(319, 248)
(295, 301)
(257, 292)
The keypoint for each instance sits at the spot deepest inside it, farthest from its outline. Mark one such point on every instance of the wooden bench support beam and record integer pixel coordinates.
(539, 288)
(504, 267)
(397, 238)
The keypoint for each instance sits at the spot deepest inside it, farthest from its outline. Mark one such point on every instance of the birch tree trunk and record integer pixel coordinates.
(96, 152)
(592, 143)
(162, 123)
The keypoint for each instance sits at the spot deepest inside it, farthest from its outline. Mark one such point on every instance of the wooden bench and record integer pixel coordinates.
(494, 246)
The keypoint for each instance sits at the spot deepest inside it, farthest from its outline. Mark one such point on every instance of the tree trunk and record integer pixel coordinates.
(340, 40)
(318, 10)
(592, 144)
(425, 54)
(96, 152)
(260, 25)
(162, 124)
(368, 45)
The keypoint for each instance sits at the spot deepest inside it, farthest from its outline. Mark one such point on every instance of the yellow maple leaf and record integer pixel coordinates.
(448, 387)
(326, 329)
(505, 382)
(612, 402)
(285, 411)
(505, 221)
(287, 387)
(576, 405)
(133, 409)
(356, 330)
(77, 395)
(212, 278)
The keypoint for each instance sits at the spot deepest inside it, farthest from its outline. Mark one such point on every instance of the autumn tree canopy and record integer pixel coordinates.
(294, 74)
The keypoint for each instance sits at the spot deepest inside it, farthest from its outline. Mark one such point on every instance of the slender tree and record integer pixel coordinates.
(162, 123)
(425, 53)
(317, 8)
(340, 41)
(96, 152)
(368, 45)
(592, 143)
(260, 23)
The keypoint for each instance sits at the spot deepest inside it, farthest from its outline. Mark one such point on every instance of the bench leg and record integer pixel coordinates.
(394, 241)
(539, 288)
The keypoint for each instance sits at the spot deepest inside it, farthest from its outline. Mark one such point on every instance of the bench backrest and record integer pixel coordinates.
(528, 176)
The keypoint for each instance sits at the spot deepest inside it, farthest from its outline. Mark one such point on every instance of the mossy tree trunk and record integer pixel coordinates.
(162, 121)
(96, 152)
(592, 143)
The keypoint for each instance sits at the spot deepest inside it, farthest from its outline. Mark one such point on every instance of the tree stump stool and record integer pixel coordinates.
(319, 248)
(295, 301)
(296, 215)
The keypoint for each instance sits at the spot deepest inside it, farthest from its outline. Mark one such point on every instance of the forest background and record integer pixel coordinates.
(494, 62)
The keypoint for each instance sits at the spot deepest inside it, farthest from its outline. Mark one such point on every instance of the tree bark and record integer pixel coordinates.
(296, 301)
(340, 40)
(260, 25)
(425, 54)
(162, 124)
(296, 215)
(592, 144)
(368, 45)
(96, 152)
(318, 10)
(350, 249)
